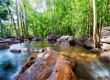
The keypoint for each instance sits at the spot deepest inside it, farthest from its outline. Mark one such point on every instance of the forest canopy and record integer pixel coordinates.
(44, 17)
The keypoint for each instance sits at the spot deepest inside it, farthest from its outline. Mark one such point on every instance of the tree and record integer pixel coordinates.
(94, 23)
(3, 14)
(18, 20)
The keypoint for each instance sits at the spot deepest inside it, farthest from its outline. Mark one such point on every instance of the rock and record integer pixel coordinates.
(105, 46)
(28, 63)
(16, 41)
(27, 41)
(1, 39)
(48, 66)
(106, 40)
(38, 39)
(11, 41)
(29, 38)
(52, 38)
(81, 40)
(4, 46)
(62, 73)
(15, 50)
(71, 40)
(65, 42)
(105, 56)
(105, 32)
(62, 38)
(42, 67)
(89, 44)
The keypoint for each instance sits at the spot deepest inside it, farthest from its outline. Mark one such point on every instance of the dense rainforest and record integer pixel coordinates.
(44, 17)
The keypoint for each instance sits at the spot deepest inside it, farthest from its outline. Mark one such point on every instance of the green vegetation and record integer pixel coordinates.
(44, 17)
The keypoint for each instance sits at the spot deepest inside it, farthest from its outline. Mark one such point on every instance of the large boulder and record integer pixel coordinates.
(105, 35)
(106, 40)
(105, 32)
(4, 46)
(52, 38)
(62, 38)
(48, 66)
(105, 56)
(68, 40)
(29, 62)
(65, 42)
(62, 73)
(89, 44)
(81, 40)
(105, 46)
(43, 65)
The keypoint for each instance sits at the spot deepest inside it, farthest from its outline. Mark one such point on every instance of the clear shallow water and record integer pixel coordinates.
(90, 67)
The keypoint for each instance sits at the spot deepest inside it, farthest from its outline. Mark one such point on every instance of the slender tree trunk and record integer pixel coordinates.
(22, 32)
(94, 23)
(12, 20)
(90, 23)
(26, 19)
(18, 21)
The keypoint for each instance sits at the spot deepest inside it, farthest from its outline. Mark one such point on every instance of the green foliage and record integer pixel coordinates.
(64, 17)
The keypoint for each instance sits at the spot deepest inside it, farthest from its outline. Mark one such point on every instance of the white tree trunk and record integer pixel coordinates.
(18, 21)
(94, 22)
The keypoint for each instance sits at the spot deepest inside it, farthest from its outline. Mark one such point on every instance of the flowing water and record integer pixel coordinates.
(89, 67)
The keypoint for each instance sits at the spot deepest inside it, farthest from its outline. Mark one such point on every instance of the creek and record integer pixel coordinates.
(89, 65)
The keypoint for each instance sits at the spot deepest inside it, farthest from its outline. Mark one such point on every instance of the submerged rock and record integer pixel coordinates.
(15, 50)
(4, 46)
(48, 66)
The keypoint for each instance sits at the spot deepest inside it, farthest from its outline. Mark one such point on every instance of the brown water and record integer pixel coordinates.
(89, 66)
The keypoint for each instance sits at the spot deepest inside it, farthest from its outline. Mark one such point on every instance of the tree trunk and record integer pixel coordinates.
(94, 23)
(18, 22)
(12, 20)
(26, 19)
